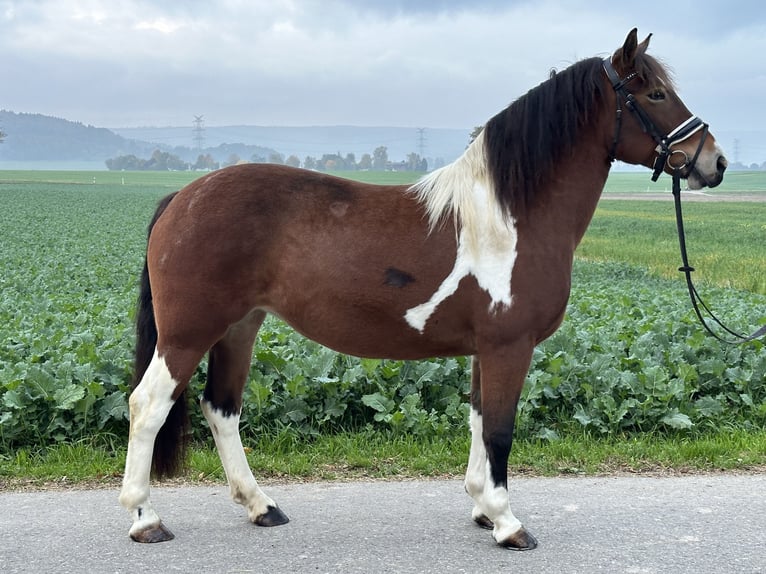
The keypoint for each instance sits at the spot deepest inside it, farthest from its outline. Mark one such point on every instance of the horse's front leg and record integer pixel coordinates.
(497, 378)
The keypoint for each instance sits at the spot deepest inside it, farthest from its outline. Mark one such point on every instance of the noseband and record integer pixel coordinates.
(664, 143)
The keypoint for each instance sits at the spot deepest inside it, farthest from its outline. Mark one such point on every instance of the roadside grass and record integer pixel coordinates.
(372, 456)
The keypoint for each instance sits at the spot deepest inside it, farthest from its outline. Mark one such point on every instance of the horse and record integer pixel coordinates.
(474, 259)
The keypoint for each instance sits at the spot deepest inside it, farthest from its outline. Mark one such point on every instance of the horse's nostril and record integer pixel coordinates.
(722, 163)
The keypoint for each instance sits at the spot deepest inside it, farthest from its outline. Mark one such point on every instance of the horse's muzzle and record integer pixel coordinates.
(708, 173)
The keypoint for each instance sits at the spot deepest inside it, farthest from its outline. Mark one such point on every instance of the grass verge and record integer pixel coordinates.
(285, 458)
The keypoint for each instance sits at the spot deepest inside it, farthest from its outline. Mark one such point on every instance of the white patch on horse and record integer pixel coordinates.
(242, 484)
(150, 402)
(486, 238)
(475, 474)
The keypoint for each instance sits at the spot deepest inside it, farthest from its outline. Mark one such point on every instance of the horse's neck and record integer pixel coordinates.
(573, 194)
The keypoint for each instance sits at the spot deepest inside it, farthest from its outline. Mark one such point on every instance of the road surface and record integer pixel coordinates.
(627, 524)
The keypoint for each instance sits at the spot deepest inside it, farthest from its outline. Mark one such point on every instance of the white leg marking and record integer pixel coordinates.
(475, 474)
(242, 483)
(487, 252)
(489, 500)
(498, 509)
(150, 404)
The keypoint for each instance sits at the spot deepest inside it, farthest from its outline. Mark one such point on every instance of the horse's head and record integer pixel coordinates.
(659, 131)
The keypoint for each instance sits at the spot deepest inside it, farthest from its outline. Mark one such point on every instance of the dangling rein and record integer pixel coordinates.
(687, 269)
(664, 155)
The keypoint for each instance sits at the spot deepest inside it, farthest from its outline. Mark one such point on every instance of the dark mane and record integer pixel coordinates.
(525, 140)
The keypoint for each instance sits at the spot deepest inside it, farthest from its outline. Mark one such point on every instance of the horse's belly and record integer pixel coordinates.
(375, 333)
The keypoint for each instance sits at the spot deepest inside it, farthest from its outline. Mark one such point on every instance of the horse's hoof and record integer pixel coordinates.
(484, 522)
(519, 540)
(154, 533)
(272, 517)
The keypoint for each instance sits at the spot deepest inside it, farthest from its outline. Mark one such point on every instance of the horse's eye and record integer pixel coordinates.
(657, 95)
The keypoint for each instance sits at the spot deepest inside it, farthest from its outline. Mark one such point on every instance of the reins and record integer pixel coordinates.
(664, 154)
(687, 270)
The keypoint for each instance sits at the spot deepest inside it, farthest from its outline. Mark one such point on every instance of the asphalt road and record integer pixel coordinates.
(638, 525)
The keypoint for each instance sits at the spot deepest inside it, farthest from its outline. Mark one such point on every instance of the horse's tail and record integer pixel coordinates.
(170, 444)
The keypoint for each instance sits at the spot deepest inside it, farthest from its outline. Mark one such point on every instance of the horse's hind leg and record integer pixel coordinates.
(150, 404)
(228, 368)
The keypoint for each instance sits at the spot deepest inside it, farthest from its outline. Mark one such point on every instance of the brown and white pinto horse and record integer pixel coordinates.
(475, 259)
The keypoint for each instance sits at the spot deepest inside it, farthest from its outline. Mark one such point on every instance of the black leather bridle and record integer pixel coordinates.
(664, 142)
(664, 152)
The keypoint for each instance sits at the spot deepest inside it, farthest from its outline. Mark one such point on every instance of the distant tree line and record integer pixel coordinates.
(160, 161)
(739, 166)
(377, 161)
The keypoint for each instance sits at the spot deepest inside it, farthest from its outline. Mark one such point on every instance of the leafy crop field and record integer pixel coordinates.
(629, 358)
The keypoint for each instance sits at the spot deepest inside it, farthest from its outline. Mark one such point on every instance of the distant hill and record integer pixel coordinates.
(35, 137)
(40, 141)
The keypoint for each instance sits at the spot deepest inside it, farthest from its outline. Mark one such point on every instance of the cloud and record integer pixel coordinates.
(442, 63)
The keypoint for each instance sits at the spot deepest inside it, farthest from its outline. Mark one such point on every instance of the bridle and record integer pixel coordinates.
(665, 153)
(664, 142)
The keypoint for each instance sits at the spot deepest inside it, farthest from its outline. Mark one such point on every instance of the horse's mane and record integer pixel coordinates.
(502, 171)
(524, 142)
(516, 151)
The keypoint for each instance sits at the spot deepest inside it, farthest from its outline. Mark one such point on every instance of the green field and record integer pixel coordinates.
(168, 179)
(629, 359)
(152, 179)
(726, 241)
(750, 182)
(618, 182)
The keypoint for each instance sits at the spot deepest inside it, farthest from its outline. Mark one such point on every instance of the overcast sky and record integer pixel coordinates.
(419, 63)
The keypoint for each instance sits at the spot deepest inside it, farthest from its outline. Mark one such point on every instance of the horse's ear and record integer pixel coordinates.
(644, 45)
(624, 57)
